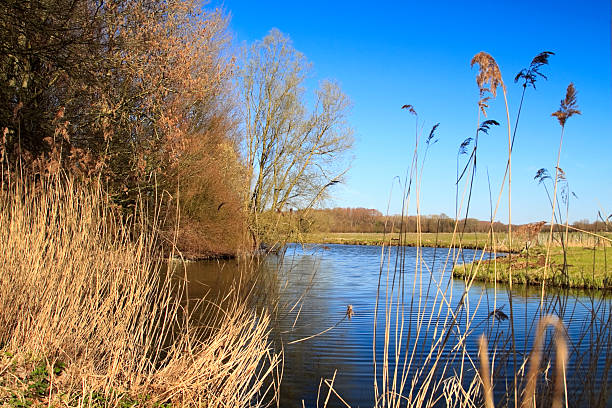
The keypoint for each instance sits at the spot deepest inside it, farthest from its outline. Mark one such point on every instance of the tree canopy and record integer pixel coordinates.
(294, 152)
(139, 95)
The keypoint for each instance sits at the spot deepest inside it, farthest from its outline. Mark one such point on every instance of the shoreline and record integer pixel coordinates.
(428, 240)
(581, 267)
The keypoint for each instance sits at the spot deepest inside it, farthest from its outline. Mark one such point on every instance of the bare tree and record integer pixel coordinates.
(293, 154)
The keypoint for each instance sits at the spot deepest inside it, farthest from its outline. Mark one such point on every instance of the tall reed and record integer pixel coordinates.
(568, 108)
(83, 285)
(426, 328)
(425, 359)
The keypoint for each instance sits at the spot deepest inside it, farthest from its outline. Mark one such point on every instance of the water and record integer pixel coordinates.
(310, 288)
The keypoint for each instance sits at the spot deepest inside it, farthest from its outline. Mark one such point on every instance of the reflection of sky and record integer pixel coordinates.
(346, 274)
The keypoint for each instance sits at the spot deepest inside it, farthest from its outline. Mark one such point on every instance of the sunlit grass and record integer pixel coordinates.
(91, 317)
(475, 240)
(586, 268)
(443, 239)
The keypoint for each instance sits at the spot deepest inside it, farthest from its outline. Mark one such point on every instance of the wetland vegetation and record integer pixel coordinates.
(586, 263)
(137, 138)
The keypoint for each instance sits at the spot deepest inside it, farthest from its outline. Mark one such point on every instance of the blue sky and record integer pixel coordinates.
(388, 55)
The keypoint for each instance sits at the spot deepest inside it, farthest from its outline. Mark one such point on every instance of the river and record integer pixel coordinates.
(310, 288)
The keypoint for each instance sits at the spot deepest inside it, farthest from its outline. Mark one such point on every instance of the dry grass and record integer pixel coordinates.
(83, 288)
(529, 394)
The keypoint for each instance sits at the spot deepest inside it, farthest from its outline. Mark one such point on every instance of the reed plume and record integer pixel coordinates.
(488, 73)
(464, 145)
(530, 75)
(486, 125)
(432, 135)
(410, 109)
(529, 393)
(568, 108)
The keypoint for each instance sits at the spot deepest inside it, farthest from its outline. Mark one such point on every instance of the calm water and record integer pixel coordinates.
(311, 287)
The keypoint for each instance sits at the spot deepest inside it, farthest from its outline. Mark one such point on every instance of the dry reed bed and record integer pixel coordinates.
(84, 289)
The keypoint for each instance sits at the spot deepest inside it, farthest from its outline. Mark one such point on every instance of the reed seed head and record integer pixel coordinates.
(541, 175)
(569, 106)
(531, 74)
(483, 102)
(410, 109)
(486, 125)
(560, 174)
(464, 145)
(488, 73)
(432, 134)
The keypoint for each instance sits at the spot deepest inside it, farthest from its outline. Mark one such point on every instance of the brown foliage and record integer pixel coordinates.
(212, 220)
(133, 91)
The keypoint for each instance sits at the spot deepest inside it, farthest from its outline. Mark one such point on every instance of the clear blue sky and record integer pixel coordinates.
(388, 55)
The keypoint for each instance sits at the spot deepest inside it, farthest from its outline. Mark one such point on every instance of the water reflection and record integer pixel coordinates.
(308, 290)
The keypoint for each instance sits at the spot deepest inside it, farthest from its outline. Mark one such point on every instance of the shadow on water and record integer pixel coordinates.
(309, 288)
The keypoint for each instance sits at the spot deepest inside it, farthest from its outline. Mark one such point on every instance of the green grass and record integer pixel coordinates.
(586, 268)
(445, 239)
(27, 384)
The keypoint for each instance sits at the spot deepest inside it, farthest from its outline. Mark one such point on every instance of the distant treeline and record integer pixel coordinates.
(371, 220)
(595, 226)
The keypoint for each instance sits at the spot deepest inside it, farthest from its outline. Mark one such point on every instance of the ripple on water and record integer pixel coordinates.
(349, 274)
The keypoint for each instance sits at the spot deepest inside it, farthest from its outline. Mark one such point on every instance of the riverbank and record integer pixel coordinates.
(92, 317)
(588, 268)
(589, 261)
(432, 240)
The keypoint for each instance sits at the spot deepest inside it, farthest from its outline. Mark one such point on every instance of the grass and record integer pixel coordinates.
(473, 240)
(470, 240)
(90, 316)
(586, 268)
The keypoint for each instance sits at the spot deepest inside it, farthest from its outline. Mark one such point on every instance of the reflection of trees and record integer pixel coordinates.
(314, 300)
(298, 293)
(307, 294)
(221, 280)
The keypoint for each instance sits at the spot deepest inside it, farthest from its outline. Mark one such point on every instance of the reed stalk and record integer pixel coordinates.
(84, 285)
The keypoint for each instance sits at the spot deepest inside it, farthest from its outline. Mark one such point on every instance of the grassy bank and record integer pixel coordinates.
(473, 240)
(585, 268)
(90, 317)
(589, 259)
(445, 239)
